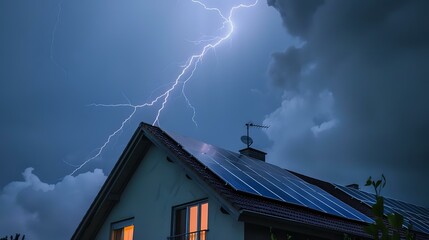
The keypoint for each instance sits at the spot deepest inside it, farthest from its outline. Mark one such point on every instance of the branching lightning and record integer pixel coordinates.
(183, 77)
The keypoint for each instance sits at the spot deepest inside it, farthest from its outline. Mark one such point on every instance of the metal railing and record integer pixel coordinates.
(198, 235)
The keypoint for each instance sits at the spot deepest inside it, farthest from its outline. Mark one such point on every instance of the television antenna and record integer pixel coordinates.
(247, 139)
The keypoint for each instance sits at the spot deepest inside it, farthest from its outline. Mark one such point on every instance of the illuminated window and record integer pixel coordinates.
(123, 230)
(191, 222)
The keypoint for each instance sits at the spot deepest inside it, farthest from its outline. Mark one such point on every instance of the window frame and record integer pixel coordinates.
(121, 224)
(187, 206)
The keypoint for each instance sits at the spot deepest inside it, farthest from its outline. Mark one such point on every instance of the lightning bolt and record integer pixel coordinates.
(183, 77)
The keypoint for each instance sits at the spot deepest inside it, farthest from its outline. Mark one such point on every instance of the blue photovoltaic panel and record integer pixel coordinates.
(259, 178)
(417, 216)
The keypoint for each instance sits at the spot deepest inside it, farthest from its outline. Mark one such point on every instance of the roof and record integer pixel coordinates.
(362, 201)
(246, 174)
(245, 206)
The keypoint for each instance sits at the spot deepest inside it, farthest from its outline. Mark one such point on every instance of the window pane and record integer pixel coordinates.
(193, 218)
(191, 222)
(180, 221)
(117, 234)
(123, 230)
(128, 232)
(204, 216)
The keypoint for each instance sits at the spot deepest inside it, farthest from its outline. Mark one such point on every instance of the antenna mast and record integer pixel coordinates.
(248, 140)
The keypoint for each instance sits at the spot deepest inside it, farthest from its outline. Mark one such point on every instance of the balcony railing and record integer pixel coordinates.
(198, 235)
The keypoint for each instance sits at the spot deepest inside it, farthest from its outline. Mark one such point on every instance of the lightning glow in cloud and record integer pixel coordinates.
(185, 75)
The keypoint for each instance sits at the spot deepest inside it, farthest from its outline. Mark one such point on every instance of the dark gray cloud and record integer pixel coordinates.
(287, 68)
(371, 56)
(47, 211)
(297, 15)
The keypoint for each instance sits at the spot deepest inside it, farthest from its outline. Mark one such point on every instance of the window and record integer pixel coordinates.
(123, 230)
(190, 222)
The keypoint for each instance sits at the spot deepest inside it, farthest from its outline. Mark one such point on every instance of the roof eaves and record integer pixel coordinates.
(293, 225)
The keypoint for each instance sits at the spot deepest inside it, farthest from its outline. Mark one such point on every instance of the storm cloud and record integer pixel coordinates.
(371, 59)
(47, 211)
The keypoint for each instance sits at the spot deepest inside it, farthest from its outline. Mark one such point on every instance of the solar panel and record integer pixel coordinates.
(415, 215)
(263, 179)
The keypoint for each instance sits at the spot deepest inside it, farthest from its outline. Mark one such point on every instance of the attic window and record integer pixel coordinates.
(123, 230)
(190, 221)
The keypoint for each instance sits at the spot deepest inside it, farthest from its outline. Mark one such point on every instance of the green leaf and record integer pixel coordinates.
(377, 183)
(384, 180)
(395, 220)
(368, 181)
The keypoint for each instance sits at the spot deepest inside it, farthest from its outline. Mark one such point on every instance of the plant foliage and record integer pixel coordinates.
(274, 237)
(379, 229)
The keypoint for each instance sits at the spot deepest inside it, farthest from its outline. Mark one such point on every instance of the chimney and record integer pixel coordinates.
(253, 153)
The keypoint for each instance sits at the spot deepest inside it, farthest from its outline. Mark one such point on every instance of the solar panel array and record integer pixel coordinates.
(415, 215)
(263, 179)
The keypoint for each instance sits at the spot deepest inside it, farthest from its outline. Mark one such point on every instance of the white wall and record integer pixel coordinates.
(155, 188)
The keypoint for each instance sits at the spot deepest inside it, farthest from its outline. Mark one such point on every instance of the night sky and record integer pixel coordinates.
(342, 85)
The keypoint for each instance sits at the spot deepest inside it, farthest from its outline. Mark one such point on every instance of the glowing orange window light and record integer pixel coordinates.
(204, 216)
(128, 232)
(204, 219)
(193, 219)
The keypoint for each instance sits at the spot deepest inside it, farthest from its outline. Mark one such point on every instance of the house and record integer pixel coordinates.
(166, 186)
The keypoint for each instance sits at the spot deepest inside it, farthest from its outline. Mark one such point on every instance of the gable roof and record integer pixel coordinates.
(243, 205)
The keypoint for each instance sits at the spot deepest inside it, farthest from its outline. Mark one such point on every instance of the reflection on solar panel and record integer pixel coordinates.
(417, 216)
(259, 178)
